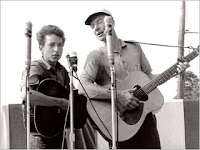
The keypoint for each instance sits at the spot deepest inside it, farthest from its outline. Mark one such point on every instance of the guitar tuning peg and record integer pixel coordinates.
(197, 49)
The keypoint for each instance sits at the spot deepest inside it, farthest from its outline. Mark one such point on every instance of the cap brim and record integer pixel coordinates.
(88, 20)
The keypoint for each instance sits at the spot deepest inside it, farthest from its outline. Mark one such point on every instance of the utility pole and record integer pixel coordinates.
(181, 34)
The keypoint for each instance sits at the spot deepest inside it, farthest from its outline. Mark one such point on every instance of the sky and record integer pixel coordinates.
(144, 21)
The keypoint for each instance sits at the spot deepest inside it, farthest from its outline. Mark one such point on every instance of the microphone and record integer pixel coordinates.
(28, 34)
(108, 29)
(72, 60)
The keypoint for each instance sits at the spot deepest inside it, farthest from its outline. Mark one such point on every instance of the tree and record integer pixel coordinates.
(191, 86)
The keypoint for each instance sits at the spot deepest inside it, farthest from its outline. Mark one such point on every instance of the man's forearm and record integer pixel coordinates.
(40, 99)
(94, 91)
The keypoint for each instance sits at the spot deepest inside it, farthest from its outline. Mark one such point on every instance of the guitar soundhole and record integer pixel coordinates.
(140, 94)
(131, 117)
(144, 97)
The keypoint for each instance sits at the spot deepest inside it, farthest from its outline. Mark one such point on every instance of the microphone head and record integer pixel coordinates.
(108, 21)
(28, 29)
(72, 60)
(28, 26)
(73, 54)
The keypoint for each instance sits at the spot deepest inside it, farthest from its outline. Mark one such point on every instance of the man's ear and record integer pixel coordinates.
(40, 47)
(113, 21)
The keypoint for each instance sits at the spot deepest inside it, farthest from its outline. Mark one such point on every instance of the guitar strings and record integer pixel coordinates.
(139, 91)
(166, 75)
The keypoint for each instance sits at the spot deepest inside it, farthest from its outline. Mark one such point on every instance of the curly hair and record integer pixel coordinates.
(48, 30)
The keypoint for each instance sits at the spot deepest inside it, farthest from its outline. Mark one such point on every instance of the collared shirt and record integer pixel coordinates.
(128, 59)
(41, 70)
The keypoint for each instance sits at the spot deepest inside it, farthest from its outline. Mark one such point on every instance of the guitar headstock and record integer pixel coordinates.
(190, 56)
(197, 49)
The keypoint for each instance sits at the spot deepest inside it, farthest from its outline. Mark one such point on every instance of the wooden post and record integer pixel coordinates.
(180, 87)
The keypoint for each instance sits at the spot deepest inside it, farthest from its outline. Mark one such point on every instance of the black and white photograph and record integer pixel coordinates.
(99, 74)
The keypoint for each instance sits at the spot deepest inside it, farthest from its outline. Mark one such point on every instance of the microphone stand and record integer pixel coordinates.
(27, 110)
(113, 101)
(28, 34)
(71, 98)
(113, 81)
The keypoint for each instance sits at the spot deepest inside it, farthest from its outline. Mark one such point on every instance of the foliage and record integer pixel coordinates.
(191, 86)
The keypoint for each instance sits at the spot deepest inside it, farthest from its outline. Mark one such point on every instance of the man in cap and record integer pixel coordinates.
(128, 57)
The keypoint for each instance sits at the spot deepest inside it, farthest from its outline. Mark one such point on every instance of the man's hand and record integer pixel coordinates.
(127, 99)
(64, 104)
(182, 66)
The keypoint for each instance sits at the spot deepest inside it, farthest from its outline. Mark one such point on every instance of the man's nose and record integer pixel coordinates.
(56, 48)
(96, 27)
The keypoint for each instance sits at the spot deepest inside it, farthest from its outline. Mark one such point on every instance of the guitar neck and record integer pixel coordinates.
(165, 76)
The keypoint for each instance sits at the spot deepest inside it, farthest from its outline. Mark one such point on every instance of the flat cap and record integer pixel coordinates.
(88, 20)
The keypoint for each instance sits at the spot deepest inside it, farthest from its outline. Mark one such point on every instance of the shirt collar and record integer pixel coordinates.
(48, 66)
(123, 44)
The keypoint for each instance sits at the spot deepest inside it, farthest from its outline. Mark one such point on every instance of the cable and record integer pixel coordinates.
(67, 112)
(117, 117)
(187, 31)
(163, 45)
(76, 77)
(92, 104)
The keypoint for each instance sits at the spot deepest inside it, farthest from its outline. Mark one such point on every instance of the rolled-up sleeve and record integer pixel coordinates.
(91, 66)
(33, 77)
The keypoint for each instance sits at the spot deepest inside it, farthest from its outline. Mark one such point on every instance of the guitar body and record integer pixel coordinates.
(151, 100)
(49, 121)
(130, 121)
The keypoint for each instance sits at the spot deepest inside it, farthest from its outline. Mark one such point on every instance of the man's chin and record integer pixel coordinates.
(101, 39)
(54, 60)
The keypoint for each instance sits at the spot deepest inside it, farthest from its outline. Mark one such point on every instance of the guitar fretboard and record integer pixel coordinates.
(165, 76)
(162, 78)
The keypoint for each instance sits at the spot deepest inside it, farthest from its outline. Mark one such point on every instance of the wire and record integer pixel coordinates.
(117, 116)
(191, 32)
(92, 104)
(67, 112)
(164, 45)
(76, 77)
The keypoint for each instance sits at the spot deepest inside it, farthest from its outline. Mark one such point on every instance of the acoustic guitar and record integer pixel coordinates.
(49, 121)
(130, 121)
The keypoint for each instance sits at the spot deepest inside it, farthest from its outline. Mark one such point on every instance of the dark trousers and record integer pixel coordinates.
(146, 138)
